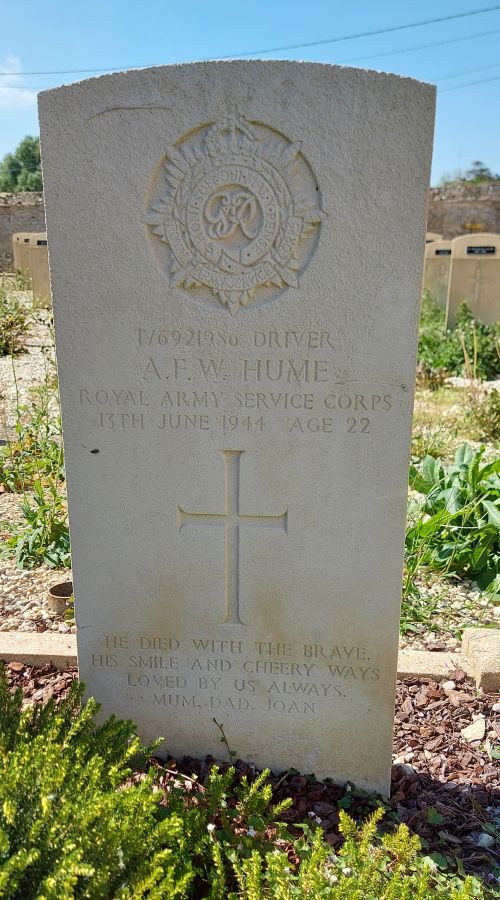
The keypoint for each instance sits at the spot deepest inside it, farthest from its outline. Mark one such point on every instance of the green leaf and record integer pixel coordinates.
(440, 860)
(464, 455)
(493, 511)
(434, 817)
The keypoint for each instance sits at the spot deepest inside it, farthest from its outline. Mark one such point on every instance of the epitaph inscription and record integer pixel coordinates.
(238, 208)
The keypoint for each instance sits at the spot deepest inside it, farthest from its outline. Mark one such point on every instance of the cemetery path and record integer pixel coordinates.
(445, 786)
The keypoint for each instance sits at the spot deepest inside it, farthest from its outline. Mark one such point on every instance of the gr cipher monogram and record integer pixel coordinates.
(232, 520)
(235, 209)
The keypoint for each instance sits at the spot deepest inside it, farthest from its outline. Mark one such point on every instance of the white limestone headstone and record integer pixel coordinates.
(437, 270)
(236, 268)
(474, 277)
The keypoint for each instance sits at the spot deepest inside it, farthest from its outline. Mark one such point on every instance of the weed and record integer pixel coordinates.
(484, 415)
(36, 453)
(14, 323)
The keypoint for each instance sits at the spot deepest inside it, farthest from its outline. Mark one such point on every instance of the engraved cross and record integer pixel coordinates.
(232, 520)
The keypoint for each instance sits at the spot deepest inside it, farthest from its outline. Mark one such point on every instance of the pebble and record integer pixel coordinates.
(475, 731)
(448, 685)
(485, 841)
(495, 707)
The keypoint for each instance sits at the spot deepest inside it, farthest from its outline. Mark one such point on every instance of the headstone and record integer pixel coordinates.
(437, 269)
(16, 251)
(433, 236)
(235, 333)
(21, 242)
(20, 251)
(39, 269)
(474, 277)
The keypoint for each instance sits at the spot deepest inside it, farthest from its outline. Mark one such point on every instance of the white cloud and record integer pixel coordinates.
(12, 93)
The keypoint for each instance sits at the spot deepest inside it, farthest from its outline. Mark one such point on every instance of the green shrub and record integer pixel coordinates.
(455, 527)
(80, 817)
(14, 324)
(440, 350)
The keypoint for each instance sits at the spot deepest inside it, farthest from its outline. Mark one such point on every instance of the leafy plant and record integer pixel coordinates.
(72, 821)
(37, 452)
(440, 350)
(44, 538)
(455, 526)
(14, 323)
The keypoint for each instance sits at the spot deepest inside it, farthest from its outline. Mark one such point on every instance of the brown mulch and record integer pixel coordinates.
(444, 787)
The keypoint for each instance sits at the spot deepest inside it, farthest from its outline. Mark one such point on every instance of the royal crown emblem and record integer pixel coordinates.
(234, 213)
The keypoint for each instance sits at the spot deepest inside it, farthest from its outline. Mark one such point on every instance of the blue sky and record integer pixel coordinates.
(115, 34)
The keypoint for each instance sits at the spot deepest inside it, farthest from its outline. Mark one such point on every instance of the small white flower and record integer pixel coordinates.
(346, 871)
(51, 797)
(121, 864)
(210, 827)
(251, 831)
(332, 879)
(311, 814)
(317, 820)
(286, 870)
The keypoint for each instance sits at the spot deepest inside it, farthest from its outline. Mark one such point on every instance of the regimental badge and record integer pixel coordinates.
(234, 213)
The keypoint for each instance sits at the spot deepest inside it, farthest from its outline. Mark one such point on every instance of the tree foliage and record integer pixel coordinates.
(21, 170)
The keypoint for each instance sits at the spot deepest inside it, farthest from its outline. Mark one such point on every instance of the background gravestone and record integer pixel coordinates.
(39, 269)
(236, 263)
(475, 277)
(437, 269)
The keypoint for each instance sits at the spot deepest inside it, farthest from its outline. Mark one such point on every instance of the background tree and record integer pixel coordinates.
(21, 170)
(479, 173)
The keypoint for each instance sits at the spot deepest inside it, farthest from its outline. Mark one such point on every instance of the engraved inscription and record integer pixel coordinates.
(233, 213)
(228, 675)
(231, 519)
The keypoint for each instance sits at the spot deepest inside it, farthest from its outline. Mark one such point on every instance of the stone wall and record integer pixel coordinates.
(18, 212)
(464, 208)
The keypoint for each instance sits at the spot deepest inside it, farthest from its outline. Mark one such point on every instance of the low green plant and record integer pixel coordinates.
(484, 415)
(81, 816)
(14, 323)
(442, 350)
(454, 527)
(36, 452)
(73, 820)
(43, 537)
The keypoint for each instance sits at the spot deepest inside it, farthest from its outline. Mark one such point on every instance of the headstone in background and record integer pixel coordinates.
(39, 269)
(475, 277)
(21, 252)
(16, 251)
(437, 270)
(432, 236)
(236, 337)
